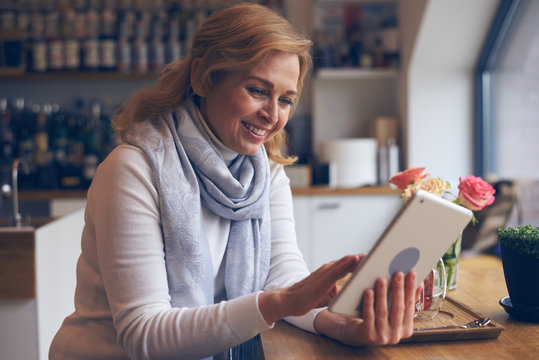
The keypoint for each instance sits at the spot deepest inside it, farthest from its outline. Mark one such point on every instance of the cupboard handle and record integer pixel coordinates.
(329, 206)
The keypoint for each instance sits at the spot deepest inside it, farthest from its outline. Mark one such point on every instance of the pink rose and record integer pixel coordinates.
(475, 193)
(407, 177)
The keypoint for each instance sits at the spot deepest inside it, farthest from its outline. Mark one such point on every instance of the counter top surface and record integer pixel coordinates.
(308, 190)
(363, 190)
(481, 285)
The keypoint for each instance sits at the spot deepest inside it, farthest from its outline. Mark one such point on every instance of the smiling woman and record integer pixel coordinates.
(189, 248)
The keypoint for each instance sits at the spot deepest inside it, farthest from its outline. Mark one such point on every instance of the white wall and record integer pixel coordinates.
(439, 84)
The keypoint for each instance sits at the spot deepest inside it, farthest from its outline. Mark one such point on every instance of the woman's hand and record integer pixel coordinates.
(382, 323)
(316, 290)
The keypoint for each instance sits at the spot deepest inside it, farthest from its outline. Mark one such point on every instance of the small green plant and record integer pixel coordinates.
(523, 239)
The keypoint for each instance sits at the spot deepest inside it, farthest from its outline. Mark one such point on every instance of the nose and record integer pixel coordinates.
(270, 111)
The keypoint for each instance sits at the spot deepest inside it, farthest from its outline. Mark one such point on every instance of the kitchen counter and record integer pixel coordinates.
(307, 190)
(363, 190)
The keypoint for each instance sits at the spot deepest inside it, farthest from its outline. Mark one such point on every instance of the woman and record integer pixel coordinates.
(189, 246)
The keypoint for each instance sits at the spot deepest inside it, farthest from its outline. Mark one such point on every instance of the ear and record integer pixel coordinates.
(198, 87)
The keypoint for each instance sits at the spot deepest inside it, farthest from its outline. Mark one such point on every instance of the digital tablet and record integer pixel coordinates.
(419, 234)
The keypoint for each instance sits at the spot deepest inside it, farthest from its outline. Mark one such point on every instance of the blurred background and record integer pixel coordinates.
(449, 85)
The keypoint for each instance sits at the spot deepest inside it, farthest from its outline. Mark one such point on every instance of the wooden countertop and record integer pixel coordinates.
(481, 285)
(326, 190)
(302, 191)
(17, 263)
(33, 195)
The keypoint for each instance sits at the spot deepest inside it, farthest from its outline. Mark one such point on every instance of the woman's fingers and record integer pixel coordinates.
(369, 317)
(409, 304)
(337, 269)
(319, 288)
(381, 310)
(388, 322)
(397, 310)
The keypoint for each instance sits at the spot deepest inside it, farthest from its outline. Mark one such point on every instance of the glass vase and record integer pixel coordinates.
(451, 262)
(433, 293)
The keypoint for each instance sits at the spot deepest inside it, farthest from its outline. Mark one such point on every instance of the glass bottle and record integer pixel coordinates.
(90, 52)
(157, 47)
(108, 40)
(7, 139)
(173, 51)
(71, 40)
(55, 43)
(43, 155)
(92, 136)
(140, 50)
(126, 25)
(38, 61)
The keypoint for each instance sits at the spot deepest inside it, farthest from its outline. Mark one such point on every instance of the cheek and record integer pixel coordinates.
(283, 120)
(236, 107)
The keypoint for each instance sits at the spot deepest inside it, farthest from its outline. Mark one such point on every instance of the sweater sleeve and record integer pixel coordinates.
(122, 212)
(287, 264)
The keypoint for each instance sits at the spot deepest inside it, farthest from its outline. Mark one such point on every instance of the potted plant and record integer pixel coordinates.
(520, 258)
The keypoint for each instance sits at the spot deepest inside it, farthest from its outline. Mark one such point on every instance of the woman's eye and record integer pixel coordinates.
(286, 101)
(257, 91)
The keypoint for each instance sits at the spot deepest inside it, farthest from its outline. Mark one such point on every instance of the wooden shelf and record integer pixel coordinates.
(356, 73)
(76, 76)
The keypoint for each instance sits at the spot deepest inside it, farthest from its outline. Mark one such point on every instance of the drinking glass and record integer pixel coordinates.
(433, 294)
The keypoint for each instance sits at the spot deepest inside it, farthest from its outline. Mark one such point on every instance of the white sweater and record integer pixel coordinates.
(122, 301)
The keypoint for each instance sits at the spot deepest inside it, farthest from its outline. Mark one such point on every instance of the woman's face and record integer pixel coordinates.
(245, 109)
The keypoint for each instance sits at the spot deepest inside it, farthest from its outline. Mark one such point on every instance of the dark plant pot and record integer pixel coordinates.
(521, 274)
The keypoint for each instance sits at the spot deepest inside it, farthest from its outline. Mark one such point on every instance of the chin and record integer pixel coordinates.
(249, 151)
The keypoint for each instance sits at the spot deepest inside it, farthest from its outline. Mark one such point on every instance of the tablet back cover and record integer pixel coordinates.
(419, 234)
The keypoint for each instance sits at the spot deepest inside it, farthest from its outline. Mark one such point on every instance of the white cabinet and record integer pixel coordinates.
(29, 322)
(331, 226)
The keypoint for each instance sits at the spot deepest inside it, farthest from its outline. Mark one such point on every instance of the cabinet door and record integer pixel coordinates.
(342, 225)
(303, 223)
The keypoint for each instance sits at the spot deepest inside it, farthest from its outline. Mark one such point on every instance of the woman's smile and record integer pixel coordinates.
(255, 130)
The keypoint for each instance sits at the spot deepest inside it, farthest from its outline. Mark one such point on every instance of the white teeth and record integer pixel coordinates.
(257, 131)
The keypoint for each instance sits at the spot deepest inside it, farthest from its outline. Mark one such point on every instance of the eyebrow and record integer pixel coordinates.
(269, 83)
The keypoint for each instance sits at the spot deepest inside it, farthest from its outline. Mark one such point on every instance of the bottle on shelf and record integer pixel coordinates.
(173, 48)
(157, 47)
(80, 28)
(7, 138)
(90, 51)
(46, 174)
(140, 50)
(13, 37)
(71, 176)
(126, 25)
(92, 144)
(72, 40)
(25, 141)
(108, 41)
(59, 140)
(55, 43)
(38, 58)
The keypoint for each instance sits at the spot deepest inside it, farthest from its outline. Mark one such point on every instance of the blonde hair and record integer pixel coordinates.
(234, 39)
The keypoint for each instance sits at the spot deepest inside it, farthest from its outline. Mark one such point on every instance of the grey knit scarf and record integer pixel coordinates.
(189, 171)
